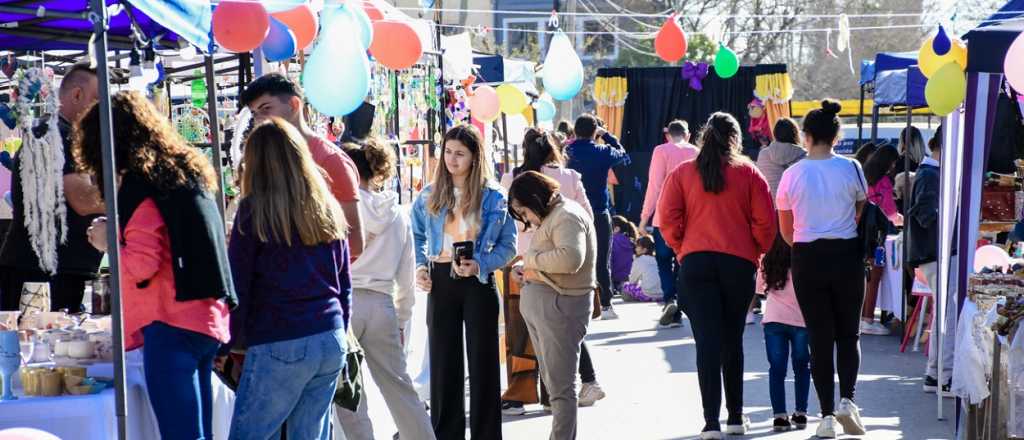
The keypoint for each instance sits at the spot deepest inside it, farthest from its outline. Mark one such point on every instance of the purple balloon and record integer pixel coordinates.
(941, 44)
(280, 43)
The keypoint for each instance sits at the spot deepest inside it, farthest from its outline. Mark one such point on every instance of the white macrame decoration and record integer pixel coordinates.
(42, 166)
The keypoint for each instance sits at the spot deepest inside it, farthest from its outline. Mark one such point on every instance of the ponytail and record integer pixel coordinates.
(720, 144)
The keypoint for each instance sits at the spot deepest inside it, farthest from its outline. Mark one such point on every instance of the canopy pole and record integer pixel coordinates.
(98, 17)
(211, 106)
(860, 121)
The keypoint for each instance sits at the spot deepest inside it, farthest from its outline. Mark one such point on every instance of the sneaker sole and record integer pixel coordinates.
(781, 429)
(513, 413)
(930, 389)
(850, 426)
(668, 314)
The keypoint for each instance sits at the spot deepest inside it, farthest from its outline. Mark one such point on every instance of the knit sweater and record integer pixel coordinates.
(564, 250)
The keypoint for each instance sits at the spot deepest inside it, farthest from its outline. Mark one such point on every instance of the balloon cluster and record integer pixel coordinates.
(942, 60)
(670, 45)
(242, 26)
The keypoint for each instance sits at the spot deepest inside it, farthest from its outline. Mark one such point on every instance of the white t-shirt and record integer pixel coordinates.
(822, 195)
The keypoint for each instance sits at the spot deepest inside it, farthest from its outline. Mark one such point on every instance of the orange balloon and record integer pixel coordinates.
(240, 26)
(372, 11)
(303, 23)
(395, 44)
(670, 44)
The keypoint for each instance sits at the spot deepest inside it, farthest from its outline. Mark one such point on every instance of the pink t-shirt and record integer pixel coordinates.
(881, 194)
(343, 176)
(665, 159)
(781, 306)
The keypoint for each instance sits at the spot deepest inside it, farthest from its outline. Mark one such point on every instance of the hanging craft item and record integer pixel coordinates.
(843, 42)
(563, 70)
(694, 74)
(199, 91)
(42, 165)
(193, 125)
(9, 65)
(726, 63)
(759, 128)
(338, 54)
(240, 26)
(1013, 64)
(670, 44)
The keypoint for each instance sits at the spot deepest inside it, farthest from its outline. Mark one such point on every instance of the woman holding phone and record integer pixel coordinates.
(463, 233)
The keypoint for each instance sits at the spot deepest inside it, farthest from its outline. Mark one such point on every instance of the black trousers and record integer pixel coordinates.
(828, 276)
(451, 303)
(603, 229)
(66, 290)
(714, 290)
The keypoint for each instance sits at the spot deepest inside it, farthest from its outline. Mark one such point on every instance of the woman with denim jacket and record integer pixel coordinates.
(463, 204)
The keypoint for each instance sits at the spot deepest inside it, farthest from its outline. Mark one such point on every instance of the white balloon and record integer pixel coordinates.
(563, 70)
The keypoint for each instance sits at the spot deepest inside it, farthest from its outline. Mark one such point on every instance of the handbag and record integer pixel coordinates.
(873, 226)
(350, 383)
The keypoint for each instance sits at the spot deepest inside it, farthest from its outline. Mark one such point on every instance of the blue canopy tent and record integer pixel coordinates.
(77, 24)
(895, 80)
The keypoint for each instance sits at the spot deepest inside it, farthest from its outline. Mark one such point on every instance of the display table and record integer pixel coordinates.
(890, 291)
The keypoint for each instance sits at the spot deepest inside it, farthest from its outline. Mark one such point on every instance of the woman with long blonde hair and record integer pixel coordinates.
(465, 207)
(290, 262)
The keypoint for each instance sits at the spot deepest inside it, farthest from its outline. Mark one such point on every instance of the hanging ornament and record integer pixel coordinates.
(670, 44)
(726, 63)
(694, 74)
(553, 20)
(941, 44)
(563, 70)
(199, 92)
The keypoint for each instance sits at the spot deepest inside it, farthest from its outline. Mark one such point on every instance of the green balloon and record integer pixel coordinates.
(726, 63)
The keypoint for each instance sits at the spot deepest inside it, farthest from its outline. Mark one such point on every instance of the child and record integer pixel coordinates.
(784, 333)
(644, 282)
(624, 233)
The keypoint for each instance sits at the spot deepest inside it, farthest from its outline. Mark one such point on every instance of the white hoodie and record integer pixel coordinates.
(387, 257)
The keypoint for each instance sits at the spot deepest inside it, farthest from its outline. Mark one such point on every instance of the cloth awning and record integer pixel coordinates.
(988, 43)
(900, 87)
(884, 62)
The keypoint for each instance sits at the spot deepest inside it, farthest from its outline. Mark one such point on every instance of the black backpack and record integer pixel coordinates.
(873, 226)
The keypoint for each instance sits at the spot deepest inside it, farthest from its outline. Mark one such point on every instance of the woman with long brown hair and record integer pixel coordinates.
(716, 213)
(290, 262)
(464, 207)
(176, 287)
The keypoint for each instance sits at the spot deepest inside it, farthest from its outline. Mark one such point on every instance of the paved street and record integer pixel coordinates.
(651, 381)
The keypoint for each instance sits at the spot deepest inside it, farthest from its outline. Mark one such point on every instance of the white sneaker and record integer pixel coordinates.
(711, 435)
(874, 329)
(849, 416)
(590, 393)
(827, 427)
(608, 313)
(740, 429)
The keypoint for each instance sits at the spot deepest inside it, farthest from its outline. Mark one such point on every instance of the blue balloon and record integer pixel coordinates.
(941, 44)
(5, 159)
(336, 78)
(563, 70)
(353, 15)
(280, 43)
(545, 110)
(273, 6)
(427, 3)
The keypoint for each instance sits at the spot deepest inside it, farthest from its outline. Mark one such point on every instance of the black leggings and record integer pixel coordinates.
(828, 276)
(714, 291)
(603, 231)
(451, 303)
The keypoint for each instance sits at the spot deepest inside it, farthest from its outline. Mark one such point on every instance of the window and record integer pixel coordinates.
(524, 43)
(592, 43)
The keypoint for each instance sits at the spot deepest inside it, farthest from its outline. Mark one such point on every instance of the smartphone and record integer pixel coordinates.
(462, 250)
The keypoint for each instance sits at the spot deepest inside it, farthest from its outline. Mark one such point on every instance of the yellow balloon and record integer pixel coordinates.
(946, 89)
(512, 99)
(929, 62)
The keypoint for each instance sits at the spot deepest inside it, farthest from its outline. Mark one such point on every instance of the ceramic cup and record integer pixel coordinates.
(81, 349)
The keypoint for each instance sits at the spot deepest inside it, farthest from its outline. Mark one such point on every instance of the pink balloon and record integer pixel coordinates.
(484, 104)
(1013, 64)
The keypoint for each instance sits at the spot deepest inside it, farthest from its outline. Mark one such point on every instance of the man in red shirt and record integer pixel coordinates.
(275, 95)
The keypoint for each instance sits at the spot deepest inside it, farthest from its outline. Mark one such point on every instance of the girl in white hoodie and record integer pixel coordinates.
(382, 296)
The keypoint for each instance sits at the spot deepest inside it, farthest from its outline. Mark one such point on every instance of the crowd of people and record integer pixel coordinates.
(321, 256)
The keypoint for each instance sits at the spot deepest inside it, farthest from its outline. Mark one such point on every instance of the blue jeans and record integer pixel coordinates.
(291, 381)
(779, 339)
(667, 266)
(178, 365)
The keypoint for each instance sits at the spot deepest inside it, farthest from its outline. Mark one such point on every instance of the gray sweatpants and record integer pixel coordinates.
(557, 325)
(931, 271)
(375, 325)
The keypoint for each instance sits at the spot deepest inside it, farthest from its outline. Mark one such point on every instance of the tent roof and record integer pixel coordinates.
(988, 43)
(900, 87)
(64, 24)
(885, 61)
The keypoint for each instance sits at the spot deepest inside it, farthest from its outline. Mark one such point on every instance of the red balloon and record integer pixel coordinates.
(372, 11)
(670, 44)
(302, 21)
(240, 26)
(395, 44)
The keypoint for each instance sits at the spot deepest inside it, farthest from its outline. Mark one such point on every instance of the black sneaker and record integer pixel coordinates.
(931, 384)
(668, 315)
(799, 421)
(781, 424)
(512, 408)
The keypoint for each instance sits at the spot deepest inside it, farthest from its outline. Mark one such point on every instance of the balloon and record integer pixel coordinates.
(946, 89)
(484, 104)
(670, 44)
(280, 44)
(1013, 64)
(929, 62)
(941, 43)
(356, 15)
(371, 11)
(26, 434)
(240, 26)
(302, 21)
(199, 92)
(563, 70)
(337, 74)
(273, 6)
(726, 63)
(511, 99)
(545, 109)
(396, 45)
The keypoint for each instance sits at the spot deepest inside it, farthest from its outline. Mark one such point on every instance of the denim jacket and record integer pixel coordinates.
(495, 245)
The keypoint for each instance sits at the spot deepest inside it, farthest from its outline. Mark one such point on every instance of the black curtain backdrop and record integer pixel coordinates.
(657, 95)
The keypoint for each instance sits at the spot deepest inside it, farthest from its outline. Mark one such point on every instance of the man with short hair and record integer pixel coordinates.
(77, 260)
(676, 150)
(275, 95)
(593, 162)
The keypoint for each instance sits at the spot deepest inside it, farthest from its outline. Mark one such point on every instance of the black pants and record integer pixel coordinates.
(603, 229)
(451, 303)
(714, 290)
(66, 290)
(828, 276)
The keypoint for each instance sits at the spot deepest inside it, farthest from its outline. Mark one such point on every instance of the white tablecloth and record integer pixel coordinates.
(890, 291)
(92, 417)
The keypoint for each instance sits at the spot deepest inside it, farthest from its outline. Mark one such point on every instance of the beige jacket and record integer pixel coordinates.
(564, 250)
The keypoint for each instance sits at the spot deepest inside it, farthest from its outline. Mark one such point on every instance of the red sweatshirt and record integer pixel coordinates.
(738, 221)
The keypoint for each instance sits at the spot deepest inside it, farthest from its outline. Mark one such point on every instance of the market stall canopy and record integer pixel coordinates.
(64, 24)
(884, 62)
(900, 87)
(987, 46)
